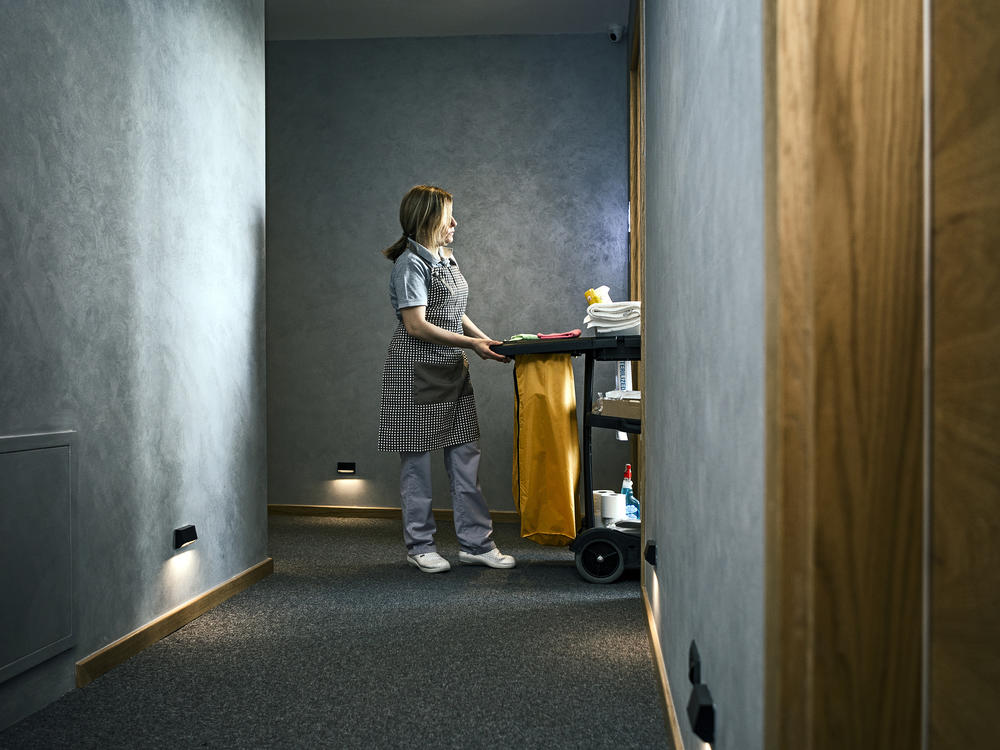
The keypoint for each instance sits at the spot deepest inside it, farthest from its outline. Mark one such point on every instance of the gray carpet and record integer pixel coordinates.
(346, 645)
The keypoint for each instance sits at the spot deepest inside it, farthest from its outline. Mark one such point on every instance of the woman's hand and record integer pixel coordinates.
(482, 348)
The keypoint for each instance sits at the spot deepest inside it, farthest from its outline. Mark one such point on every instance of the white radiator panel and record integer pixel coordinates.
(37, 520)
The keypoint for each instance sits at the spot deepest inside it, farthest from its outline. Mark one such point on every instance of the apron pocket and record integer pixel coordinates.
(435, 383)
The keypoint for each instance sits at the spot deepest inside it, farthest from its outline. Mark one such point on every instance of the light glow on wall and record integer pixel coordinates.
(180, 571)
(653, 592)
(346, 490)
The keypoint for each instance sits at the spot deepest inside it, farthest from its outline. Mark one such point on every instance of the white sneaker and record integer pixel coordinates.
(494, 559)
(429, 562)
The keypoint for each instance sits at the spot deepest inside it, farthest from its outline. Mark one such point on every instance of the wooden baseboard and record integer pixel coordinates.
(361, 511)
(671, 712)
(91, 667)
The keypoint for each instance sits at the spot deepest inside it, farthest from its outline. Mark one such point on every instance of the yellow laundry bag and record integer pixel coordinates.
(546, 448)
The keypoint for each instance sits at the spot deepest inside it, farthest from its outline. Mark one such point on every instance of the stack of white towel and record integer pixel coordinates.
(622, 318)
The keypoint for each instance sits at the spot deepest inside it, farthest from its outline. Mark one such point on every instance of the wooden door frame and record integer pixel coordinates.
(844, 352)
(637, 206)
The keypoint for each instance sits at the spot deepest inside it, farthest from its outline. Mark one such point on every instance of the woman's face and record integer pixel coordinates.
(446, 231)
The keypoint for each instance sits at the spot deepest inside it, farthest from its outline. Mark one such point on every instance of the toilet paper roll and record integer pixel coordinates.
(612, 505)
(598, 494)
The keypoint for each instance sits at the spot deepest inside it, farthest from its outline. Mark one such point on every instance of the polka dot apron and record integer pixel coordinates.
(427, 399)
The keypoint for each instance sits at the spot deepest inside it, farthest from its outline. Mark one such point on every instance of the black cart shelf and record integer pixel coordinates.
(601, 553)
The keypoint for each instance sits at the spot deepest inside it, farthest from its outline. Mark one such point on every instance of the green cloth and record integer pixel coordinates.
(523, 337)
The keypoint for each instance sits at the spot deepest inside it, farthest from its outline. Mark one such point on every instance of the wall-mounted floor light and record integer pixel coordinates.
(701, 706)
(185, 535)
(701, 713)
(650, 552)
(346, 468)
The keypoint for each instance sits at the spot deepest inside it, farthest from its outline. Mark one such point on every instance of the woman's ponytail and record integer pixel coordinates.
(396, 249)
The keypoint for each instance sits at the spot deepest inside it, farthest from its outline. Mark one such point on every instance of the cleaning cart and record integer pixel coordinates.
(603, 553)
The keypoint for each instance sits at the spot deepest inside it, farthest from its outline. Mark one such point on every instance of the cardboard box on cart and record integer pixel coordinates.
(623, 408)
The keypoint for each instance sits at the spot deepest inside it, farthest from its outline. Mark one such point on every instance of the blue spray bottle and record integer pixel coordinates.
(631, 503)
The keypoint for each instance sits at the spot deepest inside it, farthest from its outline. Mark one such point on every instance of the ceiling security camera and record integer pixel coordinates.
(615, 32)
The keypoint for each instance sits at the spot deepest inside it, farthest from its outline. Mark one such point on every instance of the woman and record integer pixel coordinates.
(427, 398)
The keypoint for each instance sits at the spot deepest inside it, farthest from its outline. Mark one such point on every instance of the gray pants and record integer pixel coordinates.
(473, 525)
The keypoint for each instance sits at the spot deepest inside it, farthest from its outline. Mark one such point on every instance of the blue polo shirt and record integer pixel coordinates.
(411, 277)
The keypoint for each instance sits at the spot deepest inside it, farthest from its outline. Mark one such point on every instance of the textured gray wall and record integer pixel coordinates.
(132, 292)
(705, 368)
(529, 133)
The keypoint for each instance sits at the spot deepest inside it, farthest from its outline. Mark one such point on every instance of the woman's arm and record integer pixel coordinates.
(471, 329)
(415, 320)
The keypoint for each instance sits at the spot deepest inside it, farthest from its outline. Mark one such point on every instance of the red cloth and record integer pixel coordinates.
(575, 333)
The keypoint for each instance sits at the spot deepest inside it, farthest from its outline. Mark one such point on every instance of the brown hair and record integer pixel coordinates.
(420, 214)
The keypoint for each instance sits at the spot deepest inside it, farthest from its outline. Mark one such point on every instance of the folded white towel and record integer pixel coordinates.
(611, 317)
(614, 310)
(630, 319)
(624, 325)
(614, 317)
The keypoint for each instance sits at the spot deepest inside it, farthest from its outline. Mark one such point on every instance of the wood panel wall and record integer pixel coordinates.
(965, 564)
(637, 153)
(845, 348)
(637, 208)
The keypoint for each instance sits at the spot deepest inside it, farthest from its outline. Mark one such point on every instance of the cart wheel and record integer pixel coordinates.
(600, 561)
